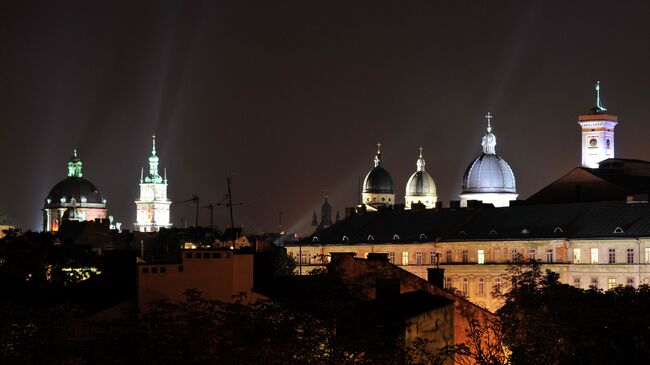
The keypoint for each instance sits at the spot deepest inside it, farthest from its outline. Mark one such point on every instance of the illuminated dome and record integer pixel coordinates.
(489, 178)
(378, 189)
(420, 187)
(73, 198)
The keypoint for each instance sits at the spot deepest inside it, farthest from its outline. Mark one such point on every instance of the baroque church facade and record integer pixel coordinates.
(590, 226)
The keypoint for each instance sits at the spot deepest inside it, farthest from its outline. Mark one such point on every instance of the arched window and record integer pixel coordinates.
(558, 230)
(423, 236)
(345, 239)
(493, 232)
(371, 238)
(618, 230)
(462, 233)
(525, 231)
(396, 237)
(315, 239)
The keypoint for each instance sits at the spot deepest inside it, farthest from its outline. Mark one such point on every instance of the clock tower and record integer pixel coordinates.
(597, 134)
(153, 204)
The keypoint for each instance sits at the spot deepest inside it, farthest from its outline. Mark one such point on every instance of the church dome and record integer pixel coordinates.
(378, 180)
(75, 187)
(420, 183)
(489, 173)
(82, 190)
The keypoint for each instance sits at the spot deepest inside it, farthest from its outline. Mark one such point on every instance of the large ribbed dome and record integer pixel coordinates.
(489, 173)
(378, 181)
(82, 190)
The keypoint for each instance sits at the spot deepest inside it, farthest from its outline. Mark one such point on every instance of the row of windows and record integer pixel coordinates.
(156, 270)
(480, 288)
(431, 258)
(206, 255)
(594, 282)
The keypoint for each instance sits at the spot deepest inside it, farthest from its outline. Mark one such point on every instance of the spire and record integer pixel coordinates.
(153, 149)
(420, 164)
(378, 158)
(598, 108)
(153, 164)
(489, 141)
(74, 165)
(314, 219)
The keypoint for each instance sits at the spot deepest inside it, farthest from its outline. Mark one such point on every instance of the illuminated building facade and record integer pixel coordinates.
(153, 204)
(489, 178)
(378, 189)
(73, 198)
(597, 134)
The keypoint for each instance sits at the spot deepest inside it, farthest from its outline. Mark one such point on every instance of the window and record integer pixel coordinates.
(531, 255)
(216, 255)
(611, 283)
(448, 257)
(497, 284)
(576, 282)
(145, 270)
(481, 257)
(594, 283)
(391, 257)
(188, 255)
(647, 255)
(197, 255)
(481, 285)
(576, 255)
(630, 255)
(514, 253)
(180, 268)
(549, 255)
(418, 258)
(611, 256)
(465, 286)
(448, 283)
(594, 255)
(629, 282)
(206, 255)
(163, 270)
(465, 256)
(432, 258)
(154, 270)
(405, 258)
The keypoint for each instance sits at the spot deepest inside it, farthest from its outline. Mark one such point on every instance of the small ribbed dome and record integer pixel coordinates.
(420, 183)
(378, 181)
(489, 173)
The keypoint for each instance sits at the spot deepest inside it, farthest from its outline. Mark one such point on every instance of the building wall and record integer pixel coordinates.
(219, 274)
(478, 280)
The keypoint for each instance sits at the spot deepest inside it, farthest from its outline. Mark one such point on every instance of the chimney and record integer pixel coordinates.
(377, 256)
(454, 204)
(387, 290)
(436, 277)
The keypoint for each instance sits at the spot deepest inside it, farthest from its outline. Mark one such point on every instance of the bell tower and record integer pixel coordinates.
(597, 133)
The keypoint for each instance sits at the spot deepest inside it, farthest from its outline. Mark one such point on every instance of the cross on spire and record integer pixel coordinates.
(599, 106)
(153, 150)
(420, 151)
(378, 147)
(489, 117)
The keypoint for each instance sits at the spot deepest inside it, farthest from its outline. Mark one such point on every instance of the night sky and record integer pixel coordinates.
(291, 97)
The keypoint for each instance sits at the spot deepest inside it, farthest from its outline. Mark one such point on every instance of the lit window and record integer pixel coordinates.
(611, 256)
(594, 255)
(481, 285)
(647, 255)
(481, 257)
(448, 283)
(630, 255)
(465, 286)
(576, 282)
(448, 257)
(432, 258)
(405, 258)
(549, 255)
(531, 255)
(576, 255)
(465, 256)
(611, 283)
(391, 257)
(418, 258)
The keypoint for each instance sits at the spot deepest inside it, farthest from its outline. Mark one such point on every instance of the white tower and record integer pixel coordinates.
(153, 205)
(597, 134)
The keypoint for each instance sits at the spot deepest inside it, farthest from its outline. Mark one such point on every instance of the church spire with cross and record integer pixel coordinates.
(597, 130)
(153, 206)
(489, 141)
